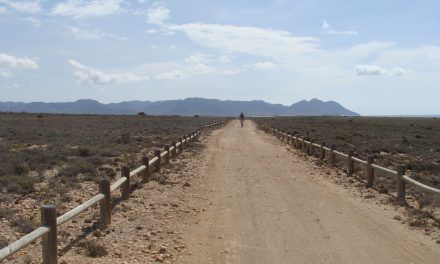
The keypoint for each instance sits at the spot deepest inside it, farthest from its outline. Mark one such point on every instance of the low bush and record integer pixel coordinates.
(23, 225)
(77, 166)
(83, 151)
(93, 249)
(21, 169)
(125, 138)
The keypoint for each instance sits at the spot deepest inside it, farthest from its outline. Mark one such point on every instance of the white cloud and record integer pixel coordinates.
(9, 62)
(172, 75)
(369, 69)
(151, 31)
(424, 58)
(368, 49)
(329, 30)
(225, 58)
(325, 25)
(193, 65)
(83, 8)
(31, 6)
(87, 34)
(202, 69)
(231, 72)
(33, 21)
(3, 10)
(197, 58)
(5, 73)
(248, 40)
(91, 76)
(84, 33)
(335, 32)
(158, 14)
(265, 65)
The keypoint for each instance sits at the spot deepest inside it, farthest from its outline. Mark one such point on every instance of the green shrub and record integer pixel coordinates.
(83, 151)
(26, 185)
(21, 169)
(76, 167)
(125, 138)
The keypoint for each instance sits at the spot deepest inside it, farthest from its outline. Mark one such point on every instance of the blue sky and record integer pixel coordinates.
(374, 57)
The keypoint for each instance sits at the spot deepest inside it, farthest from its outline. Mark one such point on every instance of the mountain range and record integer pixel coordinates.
(187, 107)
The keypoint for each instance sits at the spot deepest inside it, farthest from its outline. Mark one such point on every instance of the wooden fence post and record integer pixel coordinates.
(173, 152)
(196, 136)
(50, 247)
(181, 145)
(400, 183)
(332, 155)
(125, 189)
(105, 207)
(188, 138)
(370, 171)
(146, 174)
(322, 156)
(350, 163)
(157, 154)
(311, 148)
(167, 155)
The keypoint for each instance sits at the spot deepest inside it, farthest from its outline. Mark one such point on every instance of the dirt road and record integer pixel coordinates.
(269, 206)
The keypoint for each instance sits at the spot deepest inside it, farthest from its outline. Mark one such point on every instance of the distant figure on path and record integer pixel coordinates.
(241, 119)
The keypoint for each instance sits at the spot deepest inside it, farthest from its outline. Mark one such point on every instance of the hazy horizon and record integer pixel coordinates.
(377, 58)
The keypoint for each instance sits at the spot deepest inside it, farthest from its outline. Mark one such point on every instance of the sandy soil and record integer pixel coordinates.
(268, 205)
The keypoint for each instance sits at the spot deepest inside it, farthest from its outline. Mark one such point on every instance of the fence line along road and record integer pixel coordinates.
(50, 221)
(309, 147)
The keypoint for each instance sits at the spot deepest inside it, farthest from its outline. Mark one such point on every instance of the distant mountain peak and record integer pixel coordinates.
(87, 101)
(187, 106)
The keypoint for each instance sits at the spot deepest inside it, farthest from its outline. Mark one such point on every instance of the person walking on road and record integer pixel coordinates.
(241, 119)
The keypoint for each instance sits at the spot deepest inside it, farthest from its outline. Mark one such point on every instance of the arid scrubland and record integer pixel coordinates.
(59, 158)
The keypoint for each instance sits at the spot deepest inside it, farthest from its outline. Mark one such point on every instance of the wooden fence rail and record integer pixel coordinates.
(308, 146)
(49, 221)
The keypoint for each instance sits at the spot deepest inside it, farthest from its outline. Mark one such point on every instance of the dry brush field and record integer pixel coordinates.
(414, 142)
(59, 158)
